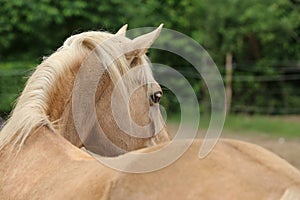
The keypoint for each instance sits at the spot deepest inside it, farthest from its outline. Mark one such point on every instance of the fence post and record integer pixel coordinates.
(228, 82)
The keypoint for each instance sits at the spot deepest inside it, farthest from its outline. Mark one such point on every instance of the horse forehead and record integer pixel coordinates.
(116, 45)
(120, 39)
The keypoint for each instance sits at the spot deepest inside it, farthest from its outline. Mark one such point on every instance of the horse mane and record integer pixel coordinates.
(32, 109)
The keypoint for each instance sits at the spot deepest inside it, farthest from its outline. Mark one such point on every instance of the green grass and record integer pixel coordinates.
(272, 125)
(286, 126)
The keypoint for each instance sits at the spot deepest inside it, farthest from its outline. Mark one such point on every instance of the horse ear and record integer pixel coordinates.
(122, 30)
(141, 44)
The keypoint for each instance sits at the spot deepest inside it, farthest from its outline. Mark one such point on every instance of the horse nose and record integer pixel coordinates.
(156, 97)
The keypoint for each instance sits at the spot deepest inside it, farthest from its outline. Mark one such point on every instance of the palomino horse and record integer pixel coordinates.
(41, 159)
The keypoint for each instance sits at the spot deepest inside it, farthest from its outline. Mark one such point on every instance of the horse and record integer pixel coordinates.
(40, 145)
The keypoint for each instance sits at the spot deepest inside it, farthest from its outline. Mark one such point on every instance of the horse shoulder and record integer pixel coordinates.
(49, 167)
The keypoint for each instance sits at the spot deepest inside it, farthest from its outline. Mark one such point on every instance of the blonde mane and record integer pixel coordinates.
(49, 82)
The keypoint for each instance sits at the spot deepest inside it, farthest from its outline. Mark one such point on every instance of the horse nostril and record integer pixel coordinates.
(156, 97)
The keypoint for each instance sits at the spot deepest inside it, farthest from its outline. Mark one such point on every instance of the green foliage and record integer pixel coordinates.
(12, 80)
(263, 36)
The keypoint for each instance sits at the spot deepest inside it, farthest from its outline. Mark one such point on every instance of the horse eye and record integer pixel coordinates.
(156, 97)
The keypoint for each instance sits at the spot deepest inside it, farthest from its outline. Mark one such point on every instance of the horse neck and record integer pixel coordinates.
(60, 104)
(66, 124)
(67, 128)
(60, 96)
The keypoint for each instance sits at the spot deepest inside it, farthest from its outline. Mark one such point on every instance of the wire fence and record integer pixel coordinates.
(253, 91)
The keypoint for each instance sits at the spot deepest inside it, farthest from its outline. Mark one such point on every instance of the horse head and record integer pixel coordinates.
(123, 107)
(97, 91)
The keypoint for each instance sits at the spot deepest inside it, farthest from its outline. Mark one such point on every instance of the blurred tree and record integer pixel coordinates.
(262, 36)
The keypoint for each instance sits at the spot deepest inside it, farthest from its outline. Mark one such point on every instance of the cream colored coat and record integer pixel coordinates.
(59, 170)
(49, 164)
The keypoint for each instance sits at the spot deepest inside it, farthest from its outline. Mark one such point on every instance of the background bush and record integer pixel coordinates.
(262, 35)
